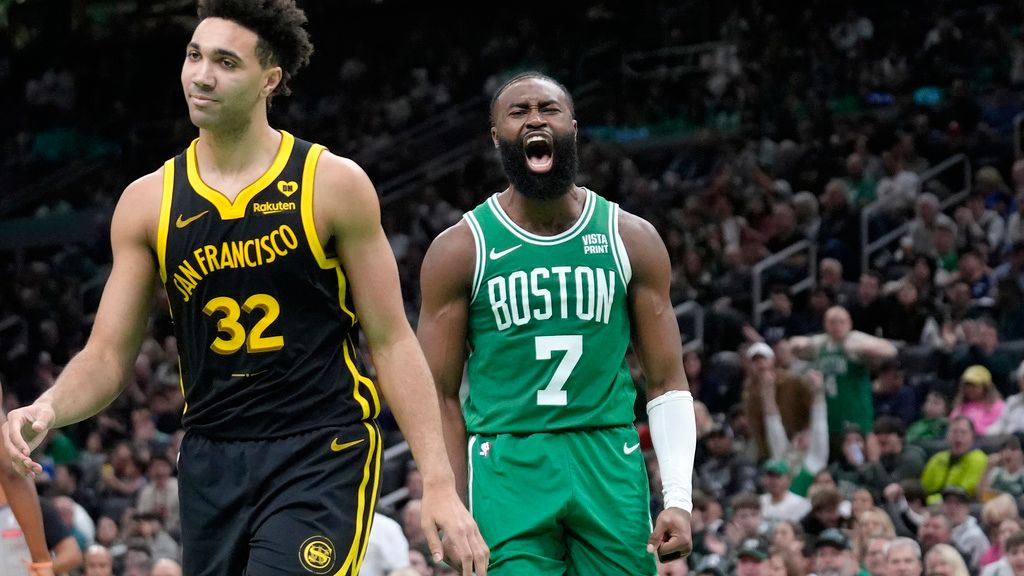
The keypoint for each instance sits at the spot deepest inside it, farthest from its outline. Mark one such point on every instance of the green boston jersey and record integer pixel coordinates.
(548, 324)
(847, 389)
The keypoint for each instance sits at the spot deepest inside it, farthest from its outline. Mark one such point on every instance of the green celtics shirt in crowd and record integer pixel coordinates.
(549, 324)
(847, 387)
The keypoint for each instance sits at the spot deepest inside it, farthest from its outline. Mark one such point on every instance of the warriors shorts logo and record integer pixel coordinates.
(317, 555)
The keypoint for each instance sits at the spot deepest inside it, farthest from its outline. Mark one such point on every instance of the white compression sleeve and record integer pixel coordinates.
(674, 433)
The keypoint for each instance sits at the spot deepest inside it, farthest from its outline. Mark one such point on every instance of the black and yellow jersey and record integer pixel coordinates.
(263, 316)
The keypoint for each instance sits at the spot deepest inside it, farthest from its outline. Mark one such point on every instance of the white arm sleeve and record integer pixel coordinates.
(817, 451)
(778, 442)
(674, 433)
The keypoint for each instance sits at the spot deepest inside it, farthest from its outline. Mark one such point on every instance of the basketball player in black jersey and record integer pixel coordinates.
(272, 255)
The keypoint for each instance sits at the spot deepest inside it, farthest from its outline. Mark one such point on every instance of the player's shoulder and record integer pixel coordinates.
(451, 256)
(639, 236)
(143, 196)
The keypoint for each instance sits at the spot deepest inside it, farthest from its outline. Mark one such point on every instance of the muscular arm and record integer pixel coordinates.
(97, 374)
(670, 405)
(656, 333)
(445, 279)
(347, 200)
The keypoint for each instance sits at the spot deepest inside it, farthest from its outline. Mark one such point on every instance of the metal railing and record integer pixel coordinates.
(758, 304)
(675, 60)
(869, 247)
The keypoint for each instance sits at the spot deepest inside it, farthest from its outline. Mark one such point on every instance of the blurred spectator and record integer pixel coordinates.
(792, 395)
(934, 418)
(165, 567)
(994, 513)
(961, 465)
(894, 460)
(1012, 418)
(1007, 530)
(978, 225)
(1005, 471)
(866, 309)
(928, 219)
(977, 399)
(841, 354)
(890, 394)
(160, 495)
(944, 559)
(98, 561)
(778, 503)
(968, 537)
(724, 472)
(902, 558)
(387, 549)
(833, 554)
(982, 347)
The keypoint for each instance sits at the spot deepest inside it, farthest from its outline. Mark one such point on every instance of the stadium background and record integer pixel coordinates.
(742, 130)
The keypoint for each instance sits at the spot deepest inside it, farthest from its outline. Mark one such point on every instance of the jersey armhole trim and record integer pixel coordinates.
(309, 226)
(165, 218)
(481, 254)
(618, 247)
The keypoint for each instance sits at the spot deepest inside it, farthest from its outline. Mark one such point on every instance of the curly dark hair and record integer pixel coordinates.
(279, 26)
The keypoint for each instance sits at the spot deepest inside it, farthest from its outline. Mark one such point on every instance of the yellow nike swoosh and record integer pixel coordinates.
(339, 447)
(182, 222)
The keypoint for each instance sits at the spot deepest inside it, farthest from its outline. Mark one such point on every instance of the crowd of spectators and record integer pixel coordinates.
(784, 130)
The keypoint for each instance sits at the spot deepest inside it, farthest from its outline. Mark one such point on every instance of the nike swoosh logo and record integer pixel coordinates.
(335, 447)
(182, 222)
(495, 255)
(627, 449)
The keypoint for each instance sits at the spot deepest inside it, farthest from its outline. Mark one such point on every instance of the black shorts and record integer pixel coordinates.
(297, 505)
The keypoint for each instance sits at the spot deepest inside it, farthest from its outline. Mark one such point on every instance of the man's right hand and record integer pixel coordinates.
(23, 432)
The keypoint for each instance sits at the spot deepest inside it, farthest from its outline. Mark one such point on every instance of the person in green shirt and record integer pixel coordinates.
(933, 422)
(842, 356)
(961, 465)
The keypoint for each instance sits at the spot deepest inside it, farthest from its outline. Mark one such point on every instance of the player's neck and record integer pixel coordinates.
(235, 151)
(546, 217)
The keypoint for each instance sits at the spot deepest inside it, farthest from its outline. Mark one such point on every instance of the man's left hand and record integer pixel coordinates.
(671, 533)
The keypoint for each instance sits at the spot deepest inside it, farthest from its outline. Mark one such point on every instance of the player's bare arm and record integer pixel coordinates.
(445, 280)
(347, 208)
(97, 374)
(670, 406)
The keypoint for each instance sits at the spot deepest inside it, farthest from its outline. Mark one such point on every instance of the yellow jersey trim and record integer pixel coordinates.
(364, 513)
(317, 249)
(165, 218)
(373, 498)
(233, 210)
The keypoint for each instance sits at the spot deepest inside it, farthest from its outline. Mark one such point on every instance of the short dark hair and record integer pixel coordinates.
(278, 25)
(1015, 540)
(526, 76)
(889, 425)
(745, 501)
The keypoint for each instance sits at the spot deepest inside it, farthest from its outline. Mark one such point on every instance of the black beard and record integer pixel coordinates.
(552, 184)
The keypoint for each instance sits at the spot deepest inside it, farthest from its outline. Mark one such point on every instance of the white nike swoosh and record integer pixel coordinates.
(626, 448)
(495, 255)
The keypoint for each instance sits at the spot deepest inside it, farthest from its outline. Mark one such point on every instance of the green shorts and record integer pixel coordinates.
(565, 503)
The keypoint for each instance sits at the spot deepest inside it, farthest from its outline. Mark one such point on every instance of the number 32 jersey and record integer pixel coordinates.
(264, 321)
(548, 324)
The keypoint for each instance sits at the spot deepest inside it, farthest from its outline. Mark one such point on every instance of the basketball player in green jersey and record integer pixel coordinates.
(272, 255)
(842, 356)
(544, 284)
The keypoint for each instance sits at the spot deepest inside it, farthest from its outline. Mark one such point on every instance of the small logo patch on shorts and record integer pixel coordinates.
(317, 555)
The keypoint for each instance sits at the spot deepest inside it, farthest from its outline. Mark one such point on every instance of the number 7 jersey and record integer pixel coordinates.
(262, 313)
(548, 324)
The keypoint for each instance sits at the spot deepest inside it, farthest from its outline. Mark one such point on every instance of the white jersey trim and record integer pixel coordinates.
(618, 247)
(481, 254)
(530, 237)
